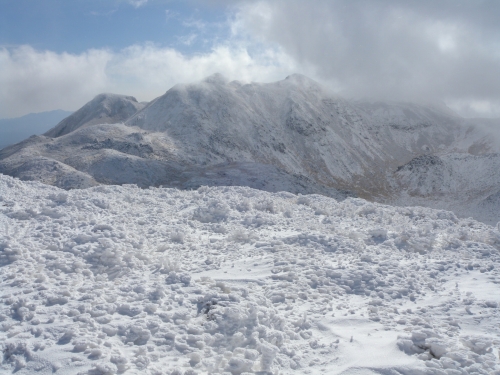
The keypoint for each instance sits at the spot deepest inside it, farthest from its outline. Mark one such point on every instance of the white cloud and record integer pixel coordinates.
(137, 3)
(187, 40)
(470, 107)
(157, 69)
(34, 81)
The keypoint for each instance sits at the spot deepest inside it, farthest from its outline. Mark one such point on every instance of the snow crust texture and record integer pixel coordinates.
(232, 280)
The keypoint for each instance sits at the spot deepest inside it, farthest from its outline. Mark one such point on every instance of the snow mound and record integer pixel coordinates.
(232, 280)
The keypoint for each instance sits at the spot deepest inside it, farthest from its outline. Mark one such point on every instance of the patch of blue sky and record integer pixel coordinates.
(77, 25)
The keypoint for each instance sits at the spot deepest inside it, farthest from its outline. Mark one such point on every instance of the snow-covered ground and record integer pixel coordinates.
(110, 280)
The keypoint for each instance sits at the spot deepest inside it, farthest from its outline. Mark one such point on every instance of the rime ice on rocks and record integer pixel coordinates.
(231, 280)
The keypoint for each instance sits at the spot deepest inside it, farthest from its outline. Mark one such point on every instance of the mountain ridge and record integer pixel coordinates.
(289, 130)
(103, 109)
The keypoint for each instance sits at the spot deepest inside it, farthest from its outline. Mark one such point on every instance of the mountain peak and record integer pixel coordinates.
(112, 97)
(216, 79)
(301, 79)
(105, 108)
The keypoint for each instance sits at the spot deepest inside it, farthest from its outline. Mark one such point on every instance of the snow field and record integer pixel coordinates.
(112, 280)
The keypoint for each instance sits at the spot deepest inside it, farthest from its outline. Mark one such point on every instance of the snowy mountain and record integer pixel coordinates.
(232, 280)
(14, 130)
(103, 109)
(464, 183)
(289, 135)
(204, 272)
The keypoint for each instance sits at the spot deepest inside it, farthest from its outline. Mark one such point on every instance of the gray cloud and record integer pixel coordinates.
(411, 50)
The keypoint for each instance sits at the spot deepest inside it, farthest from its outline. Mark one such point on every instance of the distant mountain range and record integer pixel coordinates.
(14, 130)
(289, 135)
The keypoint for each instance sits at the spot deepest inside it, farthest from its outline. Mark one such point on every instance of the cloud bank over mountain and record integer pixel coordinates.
(446, 50)
(32, 80)
(414, 50)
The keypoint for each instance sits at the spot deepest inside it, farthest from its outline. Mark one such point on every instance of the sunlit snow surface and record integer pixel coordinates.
(234, 280)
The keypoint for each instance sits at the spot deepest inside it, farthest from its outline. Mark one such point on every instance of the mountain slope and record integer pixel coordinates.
(297, 125)
(119, 154)
(467, 184)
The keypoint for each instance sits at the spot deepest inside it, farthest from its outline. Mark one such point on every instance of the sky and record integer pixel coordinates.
(59, 54)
